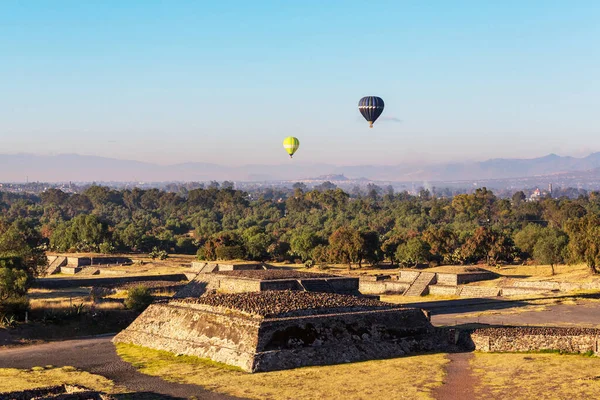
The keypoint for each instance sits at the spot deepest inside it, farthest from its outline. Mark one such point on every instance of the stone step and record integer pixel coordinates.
(420, 286)
(55, 263)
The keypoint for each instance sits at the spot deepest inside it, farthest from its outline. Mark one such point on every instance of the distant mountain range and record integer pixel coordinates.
(80, 168)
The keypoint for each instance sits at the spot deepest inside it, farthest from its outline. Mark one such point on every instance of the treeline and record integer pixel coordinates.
(317, 226)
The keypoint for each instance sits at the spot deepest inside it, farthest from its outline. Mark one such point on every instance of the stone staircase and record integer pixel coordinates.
(420, 285)
(55, 263)
(209, 268)
(316, 285)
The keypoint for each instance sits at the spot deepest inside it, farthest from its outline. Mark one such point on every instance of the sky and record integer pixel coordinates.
(226, 81)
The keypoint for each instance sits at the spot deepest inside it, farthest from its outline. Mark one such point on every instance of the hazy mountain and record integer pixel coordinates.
(79, 168)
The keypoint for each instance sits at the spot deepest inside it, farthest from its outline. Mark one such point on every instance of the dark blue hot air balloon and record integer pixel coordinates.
(371, 108)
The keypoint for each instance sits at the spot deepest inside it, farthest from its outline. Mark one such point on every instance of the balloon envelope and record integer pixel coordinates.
(371, 108)
(291, 144)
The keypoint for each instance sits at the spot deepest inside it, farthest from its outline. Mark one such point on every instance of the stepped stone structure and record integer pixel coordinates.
(245, 280)
(282, 329)
(420, 283)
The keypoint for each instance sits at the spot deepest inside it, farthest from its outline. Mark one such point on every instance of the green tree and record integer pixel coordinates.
(13, 283)
(345, 245)
(303, 242)
(414, 251)
(550, 247)
(526, 238)
(256, 242)
(584, 241)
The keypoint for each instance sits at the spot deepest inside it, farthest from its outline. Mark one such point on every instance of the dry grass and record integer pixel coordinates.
(399, 378)
(579, 273)
(536, 376)
(45, 299)
(12, 379)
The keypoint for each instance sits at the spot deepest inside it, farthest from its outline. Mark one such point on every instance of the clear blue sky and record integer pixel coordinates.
(226, 81)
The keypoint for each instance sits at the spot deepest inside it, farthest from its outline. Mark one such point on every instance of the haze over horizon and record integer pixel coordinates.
(225, 82)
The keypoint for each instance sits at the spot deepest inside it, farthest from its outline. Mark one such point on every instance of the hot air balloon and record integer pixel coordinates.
(291, 144)
(371, 108)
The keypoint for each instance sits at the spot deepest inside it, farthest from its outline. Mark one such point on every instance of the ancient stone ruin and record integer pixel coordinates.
(61, 392)
(281, 329)
(517, 339)
(257, 280)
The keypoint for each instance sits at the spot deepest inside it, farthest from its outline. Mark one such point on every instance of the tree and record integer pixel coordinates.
(256, 242)
(414, 251)
(584, 240)
(13, 283)
(518, 198)
(442, 242)
(303, 242)
(230, 253)
(345, 245)
(526, 238)
(550, 247)
(390, 245)
(489, 244)
(370, 250)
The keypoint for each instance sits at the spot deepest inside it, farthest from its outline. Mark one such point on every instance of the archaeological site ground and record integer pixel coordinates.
(245, 329)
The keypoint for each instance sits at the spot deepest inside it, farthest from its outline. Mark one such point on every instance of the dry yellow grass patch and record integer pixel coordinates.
(578, 273)
(12, 379)
(399, 378)
(536, 376)
(44, 299)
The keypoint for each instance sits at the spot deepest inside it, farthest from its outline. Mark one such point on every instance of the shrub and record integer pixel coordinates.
(13, 283)
(106, 248)
(201, 254)
(16, 305)
(138, 298)
(160, 254)
(230, 253)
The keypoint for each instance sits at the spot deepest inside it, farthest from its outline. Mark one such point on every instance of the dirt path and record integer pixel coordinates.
(98, 356)
(582, 314)
(459, 382)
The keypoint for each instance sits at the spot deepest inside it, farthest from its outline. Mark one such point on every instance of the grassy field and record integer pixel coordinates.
(60, 299)
(12, 379)
(536, 376)
(399, 378)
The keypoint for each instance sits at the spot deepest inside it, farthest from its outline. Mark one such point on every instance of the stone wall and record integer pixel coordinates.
(69, 270)
(237, 285)
(520, 291)
(230, 284)
(443, 290)
(287, 343)
(561, 286)
(447, 279)
(58, 283)
(520, 339)
(408, 276)
(196, 330)
(100, 260)
(380, 287)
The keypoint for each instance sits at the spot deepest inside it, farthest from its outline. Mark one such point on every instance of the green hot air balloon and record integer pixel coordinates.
(291, 144)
